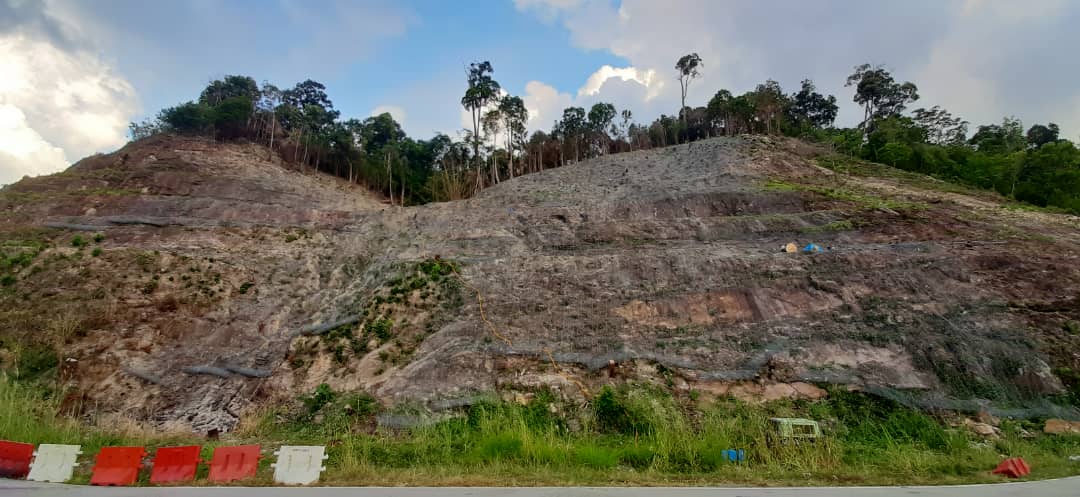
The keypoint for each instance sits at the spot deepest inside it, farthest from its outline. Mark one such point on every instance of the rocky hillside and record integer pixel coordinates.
(180, 283)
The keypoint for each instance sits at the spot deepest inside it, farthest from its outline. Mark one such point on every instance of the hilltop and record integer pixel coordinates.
(183, 283)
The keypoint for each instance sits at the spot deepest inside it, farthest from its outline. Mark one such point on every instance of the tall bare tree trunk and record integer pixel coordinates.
(510, 150)
(296, 150)
(273, 124)
(389, 178)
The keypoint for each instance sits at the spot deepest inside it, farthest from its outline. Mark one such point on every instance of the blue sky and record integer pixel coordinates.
(76, 72)
(419, 47)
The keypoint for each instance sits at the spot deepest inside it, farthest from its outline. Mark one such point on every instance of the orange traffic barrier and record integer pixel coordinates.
(15, 459)
(1013, 468)
(117, 465)
(234, 463)
(174, 464)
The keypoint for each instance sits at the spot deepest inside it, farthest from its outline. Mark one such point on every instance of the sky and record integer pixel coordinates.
(73, 74)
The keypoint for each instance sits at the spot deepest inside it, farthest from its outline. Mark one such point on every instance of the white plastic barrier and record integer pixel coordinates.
(54, 463)
(299, 464)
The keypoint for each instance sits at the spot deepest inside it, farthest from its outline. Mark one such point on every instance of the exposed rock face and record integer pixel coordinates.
(662, 266)
(1061, 426)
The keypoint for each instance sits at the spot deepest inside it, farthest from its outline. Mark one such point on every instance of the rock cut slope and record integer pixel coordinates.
(226, 281)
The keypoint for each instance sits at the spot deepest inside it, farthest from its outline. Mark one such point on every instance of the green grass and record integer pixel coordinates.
(856, 167)
(862, 199)
(835, 226)
(1025, 207)
(641, 436)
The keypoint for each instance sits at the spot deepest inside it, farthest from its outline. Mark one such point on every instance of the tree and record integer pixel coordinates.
(144, 129)
(482, 89)
(381, 139)
(1000, 139)
(1039, 135)
(812, 109)
(879, 94)
(187, 118)
(231, 86)
(492, 124)
(307, 93)
(893, 142)
(719, 111)
(770, 104)
(572, 128)
(688, 67)
(514, 115)
(601, 117)
(1050, 175)
(230, 116)
(269, 100)
(378, 132)
(941, 127)
(624, 127)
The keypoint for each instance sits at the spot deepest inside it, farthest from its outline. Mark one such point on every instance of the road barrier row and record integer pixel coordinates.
(120, 466)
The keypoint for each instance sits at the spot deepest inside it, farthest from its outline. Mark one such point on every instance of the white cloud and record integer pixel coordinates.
(23, 152)
(57, 100)
(648, 79)
(396, 112)
(980, 59)
(544, 103)
(987, 66)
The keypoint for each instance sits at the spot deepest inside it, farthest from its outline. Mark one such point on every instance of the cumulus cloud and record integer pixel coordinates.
(23, 152)
(646, 78)
(59, 103)
(981, 59)
(627, 87)
(544, 103)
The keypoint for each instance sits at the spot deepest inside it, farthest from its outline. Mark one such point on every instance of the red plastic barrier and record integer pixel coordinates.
(117, 465)
(173, 464)
(15, 459)
(1013, 468)
(234, 463)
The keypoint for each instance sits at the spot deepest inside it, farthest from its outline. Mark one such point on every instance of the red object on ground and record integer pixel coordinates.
(1013, 468)
(173, 464)
(117, 465)
(234, 463)
(15, 459)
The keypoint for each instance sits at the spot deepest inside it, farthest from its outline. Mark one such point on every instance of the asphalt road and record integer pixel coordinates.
(1066, 487)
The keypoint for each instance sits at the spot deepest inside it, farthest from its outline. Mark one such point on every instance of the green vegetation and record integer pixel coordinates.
(862, 199)
(423, 292)
(627, 435)
(18, 254)
(841, 225)
(381, 328)
(1036, 167)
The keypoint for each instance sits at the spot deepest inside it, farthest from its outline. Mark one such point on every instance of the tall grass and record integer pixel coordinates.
(30, 412)
(639, 435)
(667, 442)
